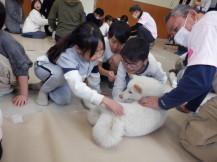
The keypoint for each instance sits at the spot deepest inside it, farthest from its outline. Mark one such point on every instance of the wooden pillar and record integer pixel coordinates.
(27, 7)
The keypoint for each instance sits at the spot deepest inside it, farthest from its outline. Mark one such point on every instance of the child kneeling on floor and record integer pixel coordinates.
(137, 60)
(14, 65)
(68, 64)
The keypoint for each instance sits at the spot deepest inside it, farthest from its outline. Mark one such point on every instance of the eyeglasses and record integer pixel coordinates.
(132, 65)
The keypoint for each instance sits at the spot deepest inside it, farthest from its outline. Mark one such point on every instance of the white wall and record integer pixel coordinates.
(89, 5)
(162, 3)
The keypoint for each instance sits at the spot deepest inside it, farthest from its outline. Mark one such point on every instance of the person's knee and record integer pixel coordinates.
(114, 62)
(57, 75)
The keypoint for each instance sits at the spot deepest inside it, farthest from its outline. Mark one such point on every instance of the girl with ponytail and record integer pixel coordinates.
(68, 64)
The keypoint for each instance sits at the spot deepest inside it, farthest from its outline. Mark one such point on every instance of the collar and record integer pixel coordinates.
(140, 14)
(137, 73)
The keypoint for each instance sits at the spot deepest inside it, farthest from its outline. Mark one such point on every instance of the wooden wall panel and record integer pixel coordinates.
(117, 8)
(27, 7)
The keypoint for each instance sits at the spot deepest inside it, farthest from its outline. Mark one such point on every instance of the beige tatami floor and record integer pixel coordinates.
(62, 134)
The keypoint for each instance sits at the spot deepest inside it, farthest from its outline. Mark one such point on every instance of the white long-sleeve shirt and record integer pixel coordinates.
(148, 22)
(34, 22)
(153, 70)
(76, 69)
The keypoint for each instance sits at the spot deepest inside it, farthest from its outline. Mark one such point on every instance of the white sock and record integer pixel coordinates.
(42, 98)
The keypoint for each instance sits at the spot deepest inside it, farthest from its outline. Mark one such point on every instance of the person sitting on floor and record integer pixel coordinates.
(14, 16)
(69, 64)
(14, 65)
(34, 22)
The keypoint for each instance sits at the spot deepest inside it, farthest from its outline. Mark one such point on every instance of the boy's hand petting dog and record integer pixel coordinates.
(151, 102)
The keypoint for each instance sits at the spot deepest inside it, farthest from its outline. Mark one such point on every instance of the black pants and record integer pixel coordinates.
(145, 33)
(47, 31)
(57, 38)
(1, 150)
(105, 66)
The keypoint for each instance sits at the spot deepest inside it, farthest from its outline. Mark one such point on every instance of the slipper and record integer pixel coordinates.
(183, 111)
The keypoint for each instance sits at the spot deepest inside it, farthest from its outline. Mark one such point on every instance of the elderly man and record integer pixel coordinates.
(198, 32)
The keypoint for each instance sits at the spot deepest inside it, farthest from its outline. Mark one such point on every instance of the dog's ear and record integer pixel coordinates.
(130, 75)
(138, 88)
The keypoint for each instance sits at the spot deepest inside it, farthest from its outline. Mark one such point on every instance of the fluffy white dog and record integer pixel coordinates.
(137, 120)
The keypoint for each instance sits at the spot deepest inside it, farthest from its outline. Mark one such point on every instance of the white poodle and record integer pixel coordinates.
(137, 120)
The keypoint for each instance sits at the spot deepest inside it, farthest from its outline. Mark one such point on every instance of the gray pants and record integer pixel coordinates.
(54, 82)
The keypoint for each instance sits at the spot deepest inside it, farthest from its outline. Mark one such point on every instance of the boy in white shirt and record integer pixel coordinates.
(118, 34)
(108, 20)
(137, 60)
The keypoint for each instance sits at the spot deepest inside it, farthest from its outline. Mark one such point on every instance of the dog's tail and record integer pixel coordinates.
(108, 131)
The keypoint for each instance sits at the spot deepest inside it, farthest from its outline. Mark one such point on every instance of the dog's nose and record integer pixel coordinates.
(121, 96)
